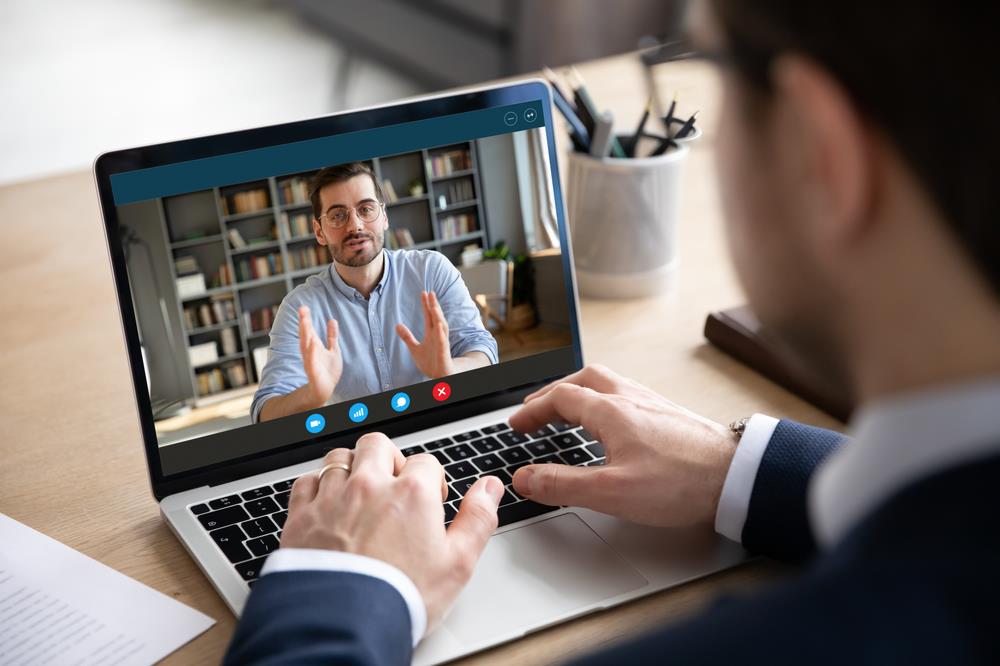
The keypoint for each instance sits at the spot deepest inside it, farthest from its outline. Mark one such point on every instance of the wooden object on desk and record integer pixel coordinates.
(73, 464)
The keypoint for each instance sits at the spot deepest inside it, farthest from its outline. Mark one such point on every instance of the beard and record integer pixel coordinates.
(361, 255)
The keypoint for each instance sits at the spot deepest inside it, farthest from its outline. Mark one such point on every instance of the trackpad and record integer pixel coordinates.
(536, 575)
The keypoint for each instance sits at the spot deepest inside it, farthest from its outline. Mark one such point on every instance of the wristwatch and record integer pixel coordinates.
(739, 426)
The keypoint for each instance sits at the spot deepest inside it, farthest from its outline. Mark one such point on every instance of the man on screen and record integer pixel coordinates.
(369, 307)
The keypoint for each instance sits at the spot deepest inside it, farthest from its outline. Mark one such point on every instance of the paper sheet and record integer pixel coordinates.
(58, 606)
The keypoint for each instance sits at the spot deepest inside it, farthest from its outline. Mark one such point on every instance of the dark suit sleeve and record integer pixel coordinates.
(777, 522)
(322, 617)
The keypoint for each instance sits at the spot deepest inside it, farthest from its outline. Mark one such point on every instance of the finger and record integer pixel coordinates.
(376, 456)
(407, 337)
(566, 402)
(303, 331)
(427, 468)
(596, 377)
(427, 313)
(306, 325)
(564, 485)
(332, 333)
(303, 491)
(475, 522)
(334, 479)
(436, 308)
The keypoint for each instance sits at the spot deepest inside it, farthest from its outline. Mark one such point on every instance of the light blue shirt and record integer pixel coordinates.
(375, 358)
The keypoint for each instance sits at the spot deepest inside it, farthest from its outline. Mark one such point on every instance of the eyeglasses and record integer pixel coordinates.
(367, 211)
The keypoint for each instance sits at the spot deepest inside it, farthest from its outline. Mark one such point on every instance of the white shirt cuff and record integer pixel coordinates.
(734, 502)
(314, 559)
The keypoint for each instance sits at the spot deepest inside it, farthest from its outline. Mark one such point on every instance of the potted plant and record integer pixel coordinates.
(522, 313)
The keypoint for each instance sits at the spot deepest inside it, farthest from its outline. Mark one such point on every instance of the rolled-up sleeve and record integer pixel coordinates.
(466, 330)
(283, 372)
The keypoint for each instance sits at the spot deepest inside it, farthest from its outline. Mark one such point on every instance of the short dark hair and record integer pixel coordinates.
(907, 68)
(338, 174)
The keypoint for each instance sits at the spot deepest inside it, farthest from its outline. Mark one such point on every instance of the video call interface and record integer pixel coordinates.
(294, 305)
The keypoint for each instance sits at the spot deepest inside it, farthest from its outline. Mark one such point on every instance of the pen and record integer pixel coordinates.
(686, 127)
(578, 134)
(667, 119)
(633, 142)
(588, 112)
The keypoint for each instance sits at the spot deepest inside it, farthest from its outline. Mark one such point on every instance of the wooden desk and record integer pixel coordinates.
(72, 459)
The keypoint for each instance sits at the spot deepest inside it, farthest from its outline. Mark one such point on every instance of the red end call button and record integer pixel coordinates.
(441, 391)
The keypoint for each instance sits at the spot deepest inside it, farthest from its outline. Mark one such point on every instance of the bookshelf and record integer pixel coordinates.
(253, 243)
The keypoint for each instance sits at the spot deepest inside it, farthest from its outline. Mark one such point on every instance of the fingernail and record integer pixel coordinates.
(494, 488)
(525, 486)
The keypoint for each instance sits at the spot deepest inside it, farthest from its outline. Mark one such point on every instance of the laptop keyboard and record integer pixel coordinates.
(247, 526)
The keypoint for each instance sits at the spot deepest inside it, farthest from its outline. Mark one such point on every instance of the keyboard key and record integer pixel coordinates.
(576, 457)
(507, 498)
(257, 493)
(282, 486)
(500, 427)
(585, 434)
(449, 513)
(460, 470)
(596, 449)
(547, 459)
(596, 463)
(452, 495)
(544, 431)
(280, 518)
(488, 463)
(522, 511)
(511, 438)
(541, 447)
(560, 426)
(282, 500)
(230, 541)
(263, 506)
(442, 458)
(515, 454)
(411, 450)
(437, 443)
(263, 545)
(259, 527)
(513, 468)
(487, 444)
(566, 440)
(503, 475)
(466, 436)
(199, 509)
(460, 452)
(223, 502)
(250, 570)
(223, 517)
(462, 487)
(251, 583)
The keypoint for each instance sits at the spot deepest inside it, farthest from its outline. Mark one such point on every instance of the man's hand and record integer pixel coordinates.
(665, 465)
(390, 508)
(323, 363)
(433, 355)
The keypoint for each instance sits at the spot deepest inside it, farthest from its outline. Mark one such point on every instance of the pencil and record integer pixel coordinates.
(633, 142)
(686, 127)
(588, 111)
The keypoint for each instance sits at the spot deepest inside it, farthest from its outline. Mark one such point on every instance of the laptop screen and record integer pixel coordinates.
(286, 293)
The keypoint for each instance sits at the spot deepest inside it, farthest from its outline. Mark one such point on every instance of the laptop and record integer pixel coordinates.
(211, 238)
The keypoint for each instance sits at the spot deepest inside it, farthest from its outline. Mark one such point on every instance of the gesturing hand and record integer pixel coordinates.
(389, 508)
(433, 355)
(323, 364)
(665, 465)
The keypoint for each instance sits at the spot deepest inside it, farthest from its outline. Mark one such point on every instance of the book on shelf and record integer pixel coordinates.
(306, 257)
(294, 190)
(216, 380)
(186, 265)
(447, 163)
(223, 277)
(248, 201)
(227, 338)
(190, 285)
(389, 191)
(259, 359)
(454, 226)
(236, 239)
(455, 192)
(261, 266)
(296, 225)
(404, 238)
(260, 320)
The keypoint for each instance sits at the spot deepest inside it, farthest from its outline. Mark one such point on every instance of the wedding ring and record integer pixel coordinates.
(336, 465)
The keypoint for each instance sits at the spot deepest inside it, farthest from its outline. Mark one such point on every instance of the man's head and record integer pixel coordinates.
(855, 162)
(349, 213)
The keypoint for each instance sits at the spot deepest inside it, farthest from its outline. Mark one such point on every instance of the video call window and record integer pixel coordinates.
(217, 277)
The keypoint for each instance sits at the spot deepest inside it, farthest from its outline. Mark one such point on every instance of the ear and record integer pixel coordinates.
(317, 231)
(835, 150)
